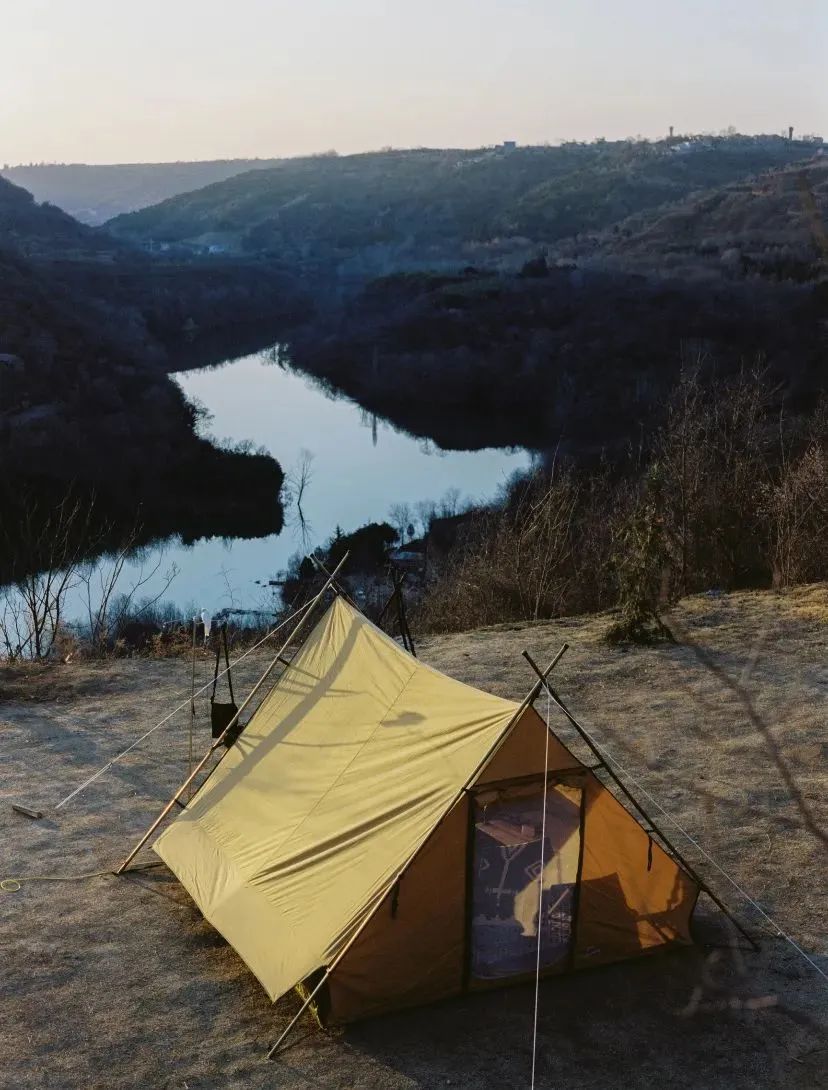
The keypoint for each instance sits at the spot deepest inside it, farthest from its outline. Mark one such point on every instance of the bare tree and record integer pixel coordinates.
(450, 503)
(14, 632)
(52, 540)
(426, 512)
(517, 562)
(796, 507)
(400, 516)
(297, 481)
(107, 606)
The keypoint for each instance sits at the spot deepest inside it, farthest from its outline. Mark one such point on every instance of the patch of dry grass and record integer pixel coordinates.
(120, 983)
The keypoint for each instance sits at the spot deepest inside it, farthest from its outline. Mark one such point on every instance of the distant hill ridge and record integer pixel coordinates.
(94, 194)
(37, 230)
(378, 212)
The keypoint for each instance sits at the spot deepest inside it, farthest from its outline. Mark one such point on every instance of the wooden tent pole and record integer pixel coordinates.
(218, 741)
(387, 605)
(192, 710)
(634, 802)
(396, 595)
(524, 704)
(405, 631)
(337, 586)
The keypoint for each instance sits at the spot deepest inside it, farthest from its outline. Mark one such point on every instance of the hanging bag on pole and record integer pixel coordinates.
(221, 713)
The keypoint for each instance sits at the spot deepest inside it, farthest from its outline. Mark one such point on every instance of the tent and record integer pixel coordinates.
(378, 829)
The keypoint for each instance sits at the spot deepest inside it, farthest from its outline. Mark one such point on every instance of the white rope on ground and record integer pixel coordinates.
(779, 932)
(540, 887)
(179, 707)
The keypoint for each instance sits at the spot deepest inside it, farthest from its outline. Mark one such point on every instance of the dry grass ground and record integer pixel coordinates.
(119, 982)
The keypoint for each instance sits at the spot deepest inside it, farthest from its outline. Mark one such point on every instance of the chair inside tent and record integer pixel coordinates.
(384, 823)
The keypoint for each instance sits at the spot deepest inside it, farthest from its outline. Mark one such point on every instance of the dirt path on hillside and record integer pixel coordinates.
(120, 983)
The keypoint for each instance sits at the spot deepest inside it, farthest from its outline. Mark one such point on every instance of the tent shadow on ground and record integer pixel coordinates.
(639, 1017)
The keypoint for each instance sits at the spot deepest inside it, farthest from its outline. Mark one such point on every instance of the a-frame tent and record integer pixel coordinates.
(381, 822)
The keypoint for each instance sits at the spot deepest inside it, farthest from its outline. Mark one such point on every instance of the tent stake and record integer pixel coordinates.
(218, 741)
(628, 794)
(524, 704)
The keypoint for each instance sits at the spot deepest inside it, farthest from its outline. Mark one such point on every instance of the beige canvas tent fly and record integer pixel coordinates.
(384, 824)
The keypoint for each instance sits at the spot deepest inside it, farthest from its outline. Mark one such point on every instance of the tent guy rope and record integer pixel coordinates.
(778, 931)
(190, 697)
(605, 756)
(310, 606)
(540, 887)
(14, 885)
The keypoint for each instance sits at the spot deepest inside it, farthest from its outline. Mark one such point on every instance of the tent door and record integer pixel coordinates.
(505, 877)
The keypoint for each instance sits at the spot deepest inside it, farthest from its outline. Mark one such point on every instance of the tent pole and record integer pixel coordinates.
(396, 595)
(527, 701)
(336, 585)
(387, 605)
(300, 1012)
(218, 741)
(402, 616)
(524, 704)
(367, 919)
(634, 802)
(192, 711)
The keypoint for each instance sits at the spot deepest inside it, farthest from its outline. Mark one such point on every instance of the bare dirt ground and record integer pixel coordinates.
(119, 982)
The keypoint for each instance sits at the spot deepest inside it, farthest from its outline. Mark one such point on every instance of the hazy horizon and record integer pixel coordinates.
(99, 84)
(709, 131)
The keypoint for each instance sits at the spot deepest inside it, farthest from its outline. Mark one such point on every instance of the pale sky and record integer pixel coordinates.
(150, 80)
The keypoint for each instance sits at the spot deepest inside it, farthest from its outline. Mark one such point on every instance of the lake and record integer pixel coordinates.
(360, 467)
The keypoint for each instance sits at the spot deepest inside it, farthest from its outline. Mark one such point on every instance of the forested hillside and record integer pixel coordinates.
(772, 226)
(381, 212)
(538, 297)
(86, 335)
(562, 358)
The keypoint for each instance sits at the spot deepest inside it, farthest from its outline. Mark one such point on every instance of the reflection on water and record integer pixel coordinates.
(359, 467)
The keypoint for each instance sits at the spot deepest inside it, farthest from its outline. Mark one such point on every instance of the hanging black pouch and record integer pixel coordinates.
(221, 712)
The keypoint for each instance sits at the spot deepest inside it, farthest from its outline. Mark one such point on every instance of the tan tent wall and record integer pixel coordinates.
(633, 896)
(412, 951)
(522, 752)
(416, 955)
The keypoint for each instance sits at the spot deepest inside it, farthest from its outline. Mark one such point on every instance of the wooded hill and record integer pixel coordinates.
(88, 329)
(381, 212)
(542, 297)
(579, 361)
(535, 296)
(32, 229)
(772, 226)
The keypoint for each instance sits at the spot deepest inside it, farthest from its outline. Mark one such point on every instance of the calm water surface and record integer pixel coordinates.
(358, 470)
